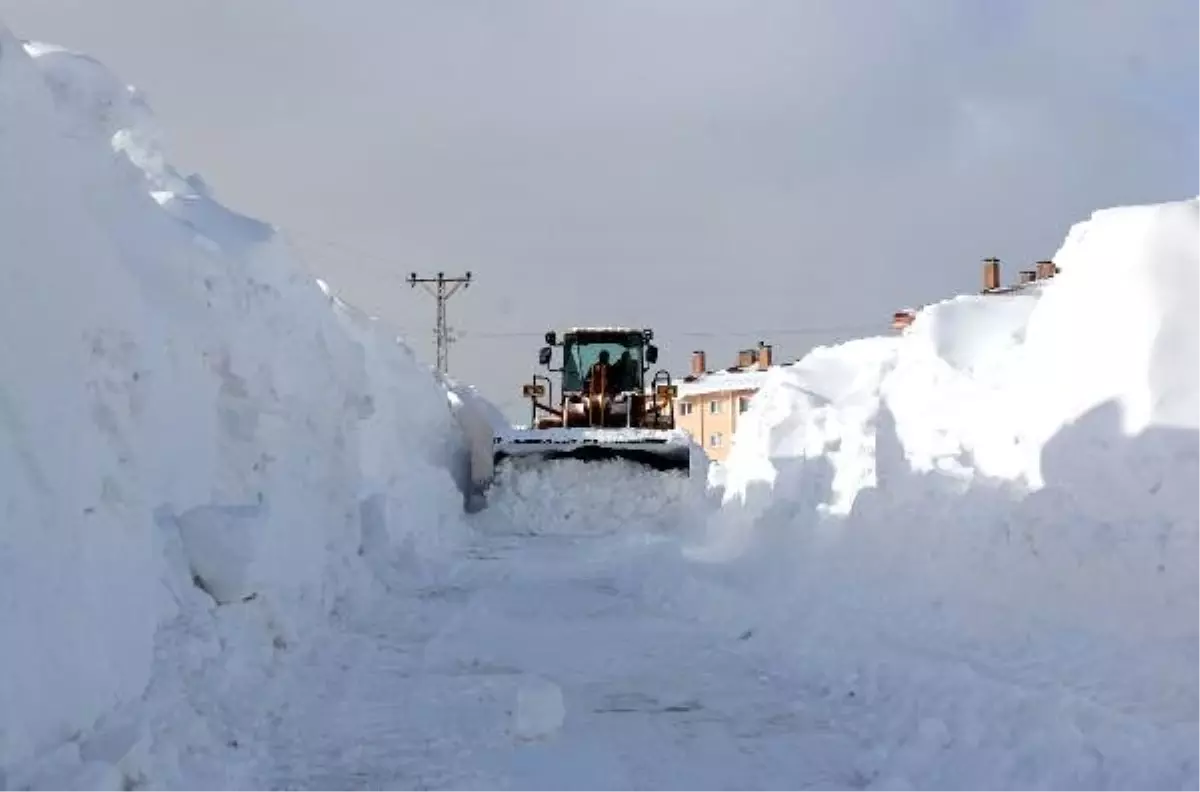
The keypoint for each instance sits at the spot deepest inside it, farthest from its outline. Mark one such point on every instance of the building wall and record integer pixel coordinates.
(712, 427)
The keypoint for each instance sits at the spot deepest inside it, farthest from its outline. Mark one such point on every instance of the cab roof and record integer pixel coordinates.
(598, 330)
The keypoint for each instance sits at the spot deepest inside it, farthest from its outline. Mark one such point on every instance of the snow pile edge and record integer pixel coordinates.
(202, 455)
(1078, 393)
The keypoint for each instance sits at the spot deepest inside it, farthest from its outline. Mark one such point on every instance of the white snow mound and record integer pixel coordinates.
(991, 520)
(1037, 448)
(182, 410)
(979, 385)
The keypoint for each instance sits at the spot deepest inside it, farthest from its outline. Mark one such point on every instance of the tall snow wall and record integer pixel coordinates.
(1008, 488)
(188, 424)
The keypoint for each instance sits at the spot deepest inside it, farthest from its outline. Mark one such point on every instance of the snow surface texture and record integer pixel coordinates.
(1009, 488)
(186, 421)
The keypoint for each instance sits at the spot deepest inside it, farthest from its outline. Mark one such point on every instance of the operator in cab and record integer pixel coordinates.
(601, 377)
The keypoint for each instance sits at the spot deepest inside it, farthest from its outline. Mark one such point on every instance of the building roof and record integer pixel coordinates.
(1012, 288)
(750, 378)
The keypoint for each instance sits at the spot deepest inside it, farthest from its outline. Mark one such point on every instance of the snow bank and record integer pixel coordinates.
(480, 422)
(182, 410)
(978, 385)
(988, 524)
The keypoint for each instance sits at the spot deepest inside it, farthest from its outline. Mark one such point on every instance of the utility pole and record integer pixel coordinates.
(444, 289)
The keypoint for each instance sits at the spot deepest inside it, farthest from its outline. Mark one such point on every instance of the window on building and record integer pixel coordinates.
(743, 403)
(714, 406)
(685, 408)
(714, 439)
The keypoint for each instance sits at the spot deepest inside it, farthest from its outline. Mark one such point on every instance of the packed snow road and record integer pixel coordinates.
(553, 657)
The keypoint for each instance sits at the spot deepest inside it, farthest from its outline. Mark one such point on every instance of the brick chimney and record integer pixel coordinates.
(991, 274)
(746, 358)
(1028, 276)
(764, 355)
(698, 366)
(1046, 269)
(902, 319)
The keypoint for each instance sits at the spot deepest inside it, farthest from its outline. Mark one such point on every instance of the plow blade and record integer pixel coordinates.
(660, 450)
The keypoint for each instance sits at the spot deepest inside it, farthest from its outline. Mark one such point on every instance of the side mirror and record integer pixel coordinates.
(551, 338)
(652, 354)
(544, 356)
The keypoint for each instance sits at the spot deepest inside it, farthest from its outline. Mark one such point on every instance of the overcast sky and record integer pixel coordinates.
(724, 172)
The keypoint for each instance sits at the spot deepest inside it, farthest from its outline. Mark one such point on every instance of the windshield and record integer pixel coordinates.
(624, 350)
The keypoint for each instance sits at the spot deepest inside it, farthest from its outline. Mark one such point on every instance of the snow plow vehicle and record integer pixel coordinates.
(605, 407)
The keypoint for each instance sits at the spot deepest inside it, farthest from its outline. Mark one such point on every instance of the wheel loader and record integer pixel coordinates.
(607, 405)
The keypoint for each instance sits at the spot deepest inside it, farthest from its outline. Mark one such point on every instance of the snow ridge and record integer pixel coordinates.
(201, 453)
(1004, 492)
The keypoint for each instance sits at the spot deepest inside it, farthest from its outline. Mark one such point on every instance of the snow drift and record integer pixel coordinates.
(979, 385)
(1010, 488)
(189, 427)
(992, 388)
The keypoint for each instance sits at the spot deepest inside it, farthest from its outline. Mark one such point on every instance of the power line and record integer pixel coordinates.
(761, 332)
(445, 289)
(444, 339)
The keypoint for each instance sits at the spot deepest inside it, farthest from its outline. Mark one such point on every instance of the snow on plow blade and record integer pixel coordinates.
(664, 450)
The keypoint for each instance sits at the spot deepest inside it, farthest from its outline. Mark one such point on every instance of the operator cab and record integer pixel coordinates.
(618, 356)
(603, 380)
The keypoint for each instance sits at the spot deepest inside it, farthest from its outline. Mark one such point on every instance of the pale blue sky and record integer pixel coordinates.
(721, 171)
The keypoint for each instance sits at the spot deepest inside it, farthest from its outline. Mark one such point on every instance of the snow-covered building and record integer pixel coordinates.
(992, 284)
(709, 402)
(1043, 270)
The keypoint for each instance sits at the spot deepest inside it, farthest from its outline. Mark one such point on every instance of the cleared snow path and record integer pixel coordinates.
(548, 660)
